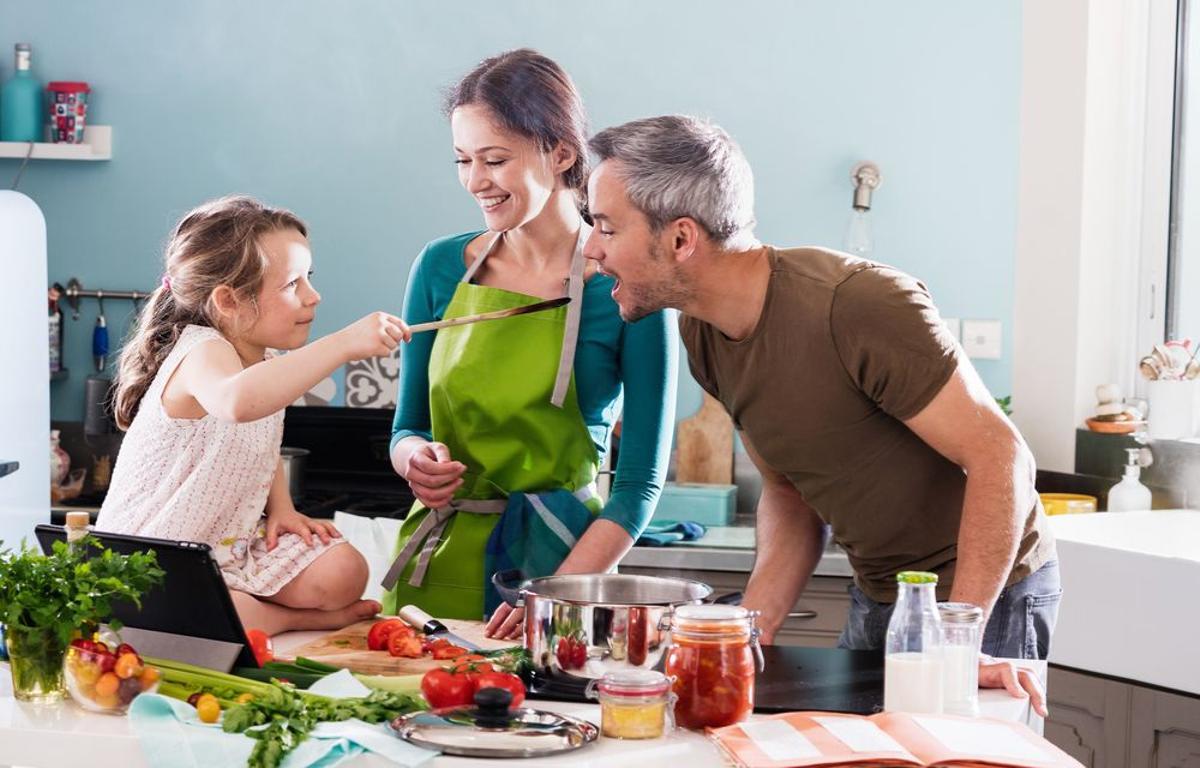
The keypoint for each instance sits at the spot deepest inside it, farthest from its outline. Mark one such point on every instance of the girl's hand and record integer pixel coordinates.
(433, 476)
(506, 623)
(290, 521)
(376, 335)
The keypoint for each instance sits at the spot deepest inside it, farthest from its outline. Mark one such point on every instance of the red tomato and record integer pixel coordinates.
(260, 645)
(448, 652)
(505, 680)
(377, 635)
(444, 689)
(404, 644)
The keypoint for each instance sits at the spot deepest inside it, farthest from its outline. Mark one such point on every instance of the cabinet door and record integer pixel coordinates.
(1166, 730)
(1088, 717)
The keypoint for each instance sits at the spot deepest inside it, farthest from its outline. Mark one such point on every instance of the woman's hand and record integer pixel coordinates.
(375, 335)
(434, 477)
(506, 623)
(288, 520)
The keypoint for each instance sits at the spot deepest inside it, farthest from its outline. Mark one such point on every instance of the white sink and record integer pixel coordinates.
(1129, 596)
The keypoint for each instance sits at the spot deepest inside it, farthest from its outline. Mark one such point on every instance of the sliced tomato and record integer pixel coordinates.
(401, 644)
(448, 652)
(505, 680)
(377, 635)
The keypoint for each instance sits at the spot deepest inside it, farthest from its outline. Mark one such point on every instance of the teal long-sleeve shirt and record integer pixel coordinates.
(616, 363)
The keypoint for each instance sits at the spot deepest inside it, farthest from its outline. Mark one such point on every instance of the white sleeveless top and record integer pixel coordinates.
(204, 480)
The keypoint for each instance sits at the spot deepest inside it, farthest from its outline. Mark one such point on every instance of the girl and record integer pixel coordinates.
(203, 404)
(500, 427)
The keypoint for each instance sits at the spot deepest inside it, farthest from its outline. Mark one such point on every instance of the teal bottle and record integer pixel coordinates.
(21, 117)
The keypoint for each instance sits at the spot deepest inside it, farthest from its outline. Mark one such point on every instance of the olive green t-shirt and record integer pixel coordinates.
(844, 352)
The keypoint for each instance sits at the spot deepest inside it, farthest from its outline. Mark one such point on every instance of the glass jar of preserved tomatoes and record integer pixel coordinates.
(714, 651)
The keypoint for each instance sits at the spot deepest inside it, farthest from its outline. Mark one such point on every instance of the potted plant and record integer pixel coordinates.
(46, 600)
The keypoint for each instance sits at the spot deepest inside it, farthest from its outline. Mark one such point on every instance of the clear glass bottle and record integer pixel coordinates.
(912, 676)
(21, 117)
(60, 460)
(78, 526)
(712, 662)
(962, 630)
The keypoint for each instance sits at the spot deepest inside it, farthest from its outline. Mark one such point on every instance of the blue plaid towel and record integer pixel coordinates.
(669, 533)
(534, 535)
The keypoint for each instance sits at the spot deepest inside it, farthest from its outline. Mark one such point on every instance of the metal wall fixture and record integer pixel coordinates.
(859, 239)
(75, 291)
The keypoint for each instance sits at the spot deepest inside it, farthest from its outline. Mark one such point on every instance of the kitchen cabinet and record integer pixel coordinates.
(818, 616)
(1108, 723)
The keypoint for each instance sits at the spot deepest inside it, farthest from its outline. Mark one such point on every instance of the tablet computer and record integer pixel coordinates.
(189, 616)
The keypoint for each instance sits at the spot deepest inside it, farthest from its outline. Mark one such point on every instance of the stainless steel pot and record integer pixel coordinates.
(294, 460)
(579, 627)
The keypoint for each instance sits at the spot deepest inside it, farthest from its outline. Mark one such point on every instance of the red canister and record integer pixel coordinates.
(67, 102)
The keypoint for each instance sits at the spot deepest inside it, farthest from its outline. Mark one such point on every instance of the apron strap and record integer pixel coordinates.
(429, 534)
(566, 358)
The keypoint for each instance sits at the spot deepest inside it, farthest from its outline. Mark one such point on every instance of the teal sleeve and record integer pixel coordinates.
(412, 397)
(649, 360)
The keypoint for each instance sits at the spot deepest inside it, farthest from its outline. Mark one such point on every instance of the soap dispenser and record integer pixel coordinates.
(1129, 495)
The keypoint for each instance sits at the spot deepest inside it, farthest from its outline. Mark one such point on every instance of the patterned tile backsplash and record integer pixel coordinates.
(372, 383)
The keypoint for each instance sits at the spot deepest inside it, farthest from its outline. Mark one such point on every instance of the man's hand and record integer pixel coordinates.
(284, 520)
(506, 623)
(1018, 681)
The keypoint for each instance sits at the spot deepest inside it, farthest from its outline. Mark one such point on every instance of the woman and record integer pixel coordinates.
(501, 426)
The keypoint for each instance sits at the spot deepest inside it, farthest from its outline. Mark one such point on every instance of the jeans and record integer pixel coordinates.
(1019, 628)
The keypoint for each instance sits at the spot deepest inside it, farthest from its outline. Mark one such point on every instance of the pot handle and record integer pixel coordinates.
(509, 584)
(731, 598)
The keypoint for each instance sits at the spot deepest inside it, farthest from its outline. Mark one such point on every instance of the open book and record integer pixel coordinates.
(797, 739)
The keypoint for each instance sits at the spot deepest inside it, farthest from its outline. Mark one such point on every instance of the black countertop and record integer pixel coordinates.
(825, 679)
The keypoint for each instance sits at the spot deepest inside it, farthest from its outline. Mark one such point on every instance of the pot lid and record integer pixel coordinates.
(491, 729)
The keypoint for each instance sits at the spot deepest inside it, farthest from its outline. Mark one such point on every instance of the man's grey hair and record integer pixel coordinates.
(677, 165)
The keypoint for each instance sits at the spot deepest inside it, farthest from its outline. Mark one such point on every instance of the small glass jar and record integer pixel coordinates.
(711, 663)
(633, 703)
(962, 630)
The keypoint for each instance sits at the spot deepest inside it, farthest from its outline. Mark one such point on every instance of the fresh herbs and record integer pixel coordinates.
(278, 717)
(46, 599)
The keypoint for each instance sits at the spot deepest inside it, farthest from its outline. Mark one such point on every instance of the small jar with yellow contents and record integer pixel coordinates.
(634, 703)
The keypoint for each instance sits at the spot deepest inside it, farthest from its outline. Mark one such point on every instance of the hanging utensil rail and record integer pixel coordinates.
(75, 291)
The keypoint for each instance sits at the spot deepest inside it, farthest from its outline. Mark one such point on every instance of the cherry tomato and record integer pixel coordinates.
(125, 648)
(401, 644)
(208, 708)
(571, 653)
(445, 689)
(106, 661)
(260, 646)
(505, 680)
(128, 665)
(377, 635)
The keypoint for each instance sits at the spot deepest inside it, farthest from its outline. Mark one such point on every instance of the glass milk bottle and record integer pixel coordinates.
(912, 666)
(962, 630)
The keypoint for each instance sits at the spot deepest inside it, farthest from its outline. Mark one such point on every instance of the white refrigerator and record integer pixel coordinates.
(24, 369)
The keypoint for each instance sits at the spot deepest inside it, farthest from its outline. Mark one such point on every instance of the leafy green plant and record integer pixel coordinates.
(1005, 404)
(46, 599)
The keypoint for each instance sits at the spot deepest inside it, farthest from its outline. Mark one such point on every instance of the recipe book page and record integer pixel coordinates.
(801, 739)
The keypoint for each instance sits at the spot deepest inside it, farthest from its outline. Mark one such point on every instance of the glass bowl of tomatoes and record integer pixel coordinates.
(106, 678)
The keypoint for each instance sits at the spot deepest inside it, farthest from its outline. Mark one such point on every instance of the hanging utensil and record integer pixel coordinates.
(100, 336)
(540, 306)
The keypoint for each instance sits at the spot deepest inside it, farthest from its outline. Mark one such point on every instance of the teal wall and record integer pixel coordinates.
(332, 109)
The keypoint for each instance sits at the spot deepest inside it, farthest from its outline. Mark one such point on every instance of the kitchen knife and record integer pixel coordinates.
(540, 306)
(418, 619)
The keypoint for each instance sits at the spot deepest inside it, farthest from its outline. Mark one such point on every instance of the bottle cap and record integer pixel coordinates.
(916, 577)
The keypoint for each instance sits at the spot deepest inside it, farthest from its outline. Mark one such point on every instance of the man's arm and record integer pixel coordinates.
(964, 424)
(789, 538)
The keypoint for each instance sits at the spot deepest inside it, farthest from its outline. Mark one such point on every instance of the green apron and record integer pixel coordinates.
(502, 398)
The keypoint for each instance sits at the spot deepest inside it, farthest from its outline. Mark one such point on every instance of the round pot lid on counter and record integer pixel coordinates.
(491, 729)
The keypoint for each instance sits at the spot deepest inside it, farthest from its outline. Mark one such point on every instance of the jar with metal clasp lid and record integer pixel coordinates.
(634, 703)
(712, 662)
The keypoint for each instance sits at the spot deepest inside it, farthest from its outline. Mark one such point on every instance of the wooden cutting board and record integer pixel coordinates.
(347, 648)
(705, 443)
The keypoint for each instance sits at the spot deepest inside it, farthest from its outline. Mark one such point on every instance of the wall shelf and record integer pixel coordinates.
(97, 146)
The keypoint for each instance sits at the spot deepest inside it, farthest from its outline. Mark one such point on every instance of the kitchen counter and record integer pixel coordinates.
(724, 548)
(65, 736)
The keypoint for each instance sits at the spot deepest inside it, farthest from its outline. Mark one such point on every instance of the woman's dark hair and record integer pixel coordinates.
(532, 96)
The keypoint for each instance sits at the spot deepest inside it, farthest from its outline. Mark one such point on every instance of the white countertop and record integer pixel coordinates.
(65, 736)
(724, 548)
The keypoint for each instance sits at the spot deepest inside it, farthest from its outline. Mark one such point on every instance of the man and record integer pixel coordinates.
(854, 402)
